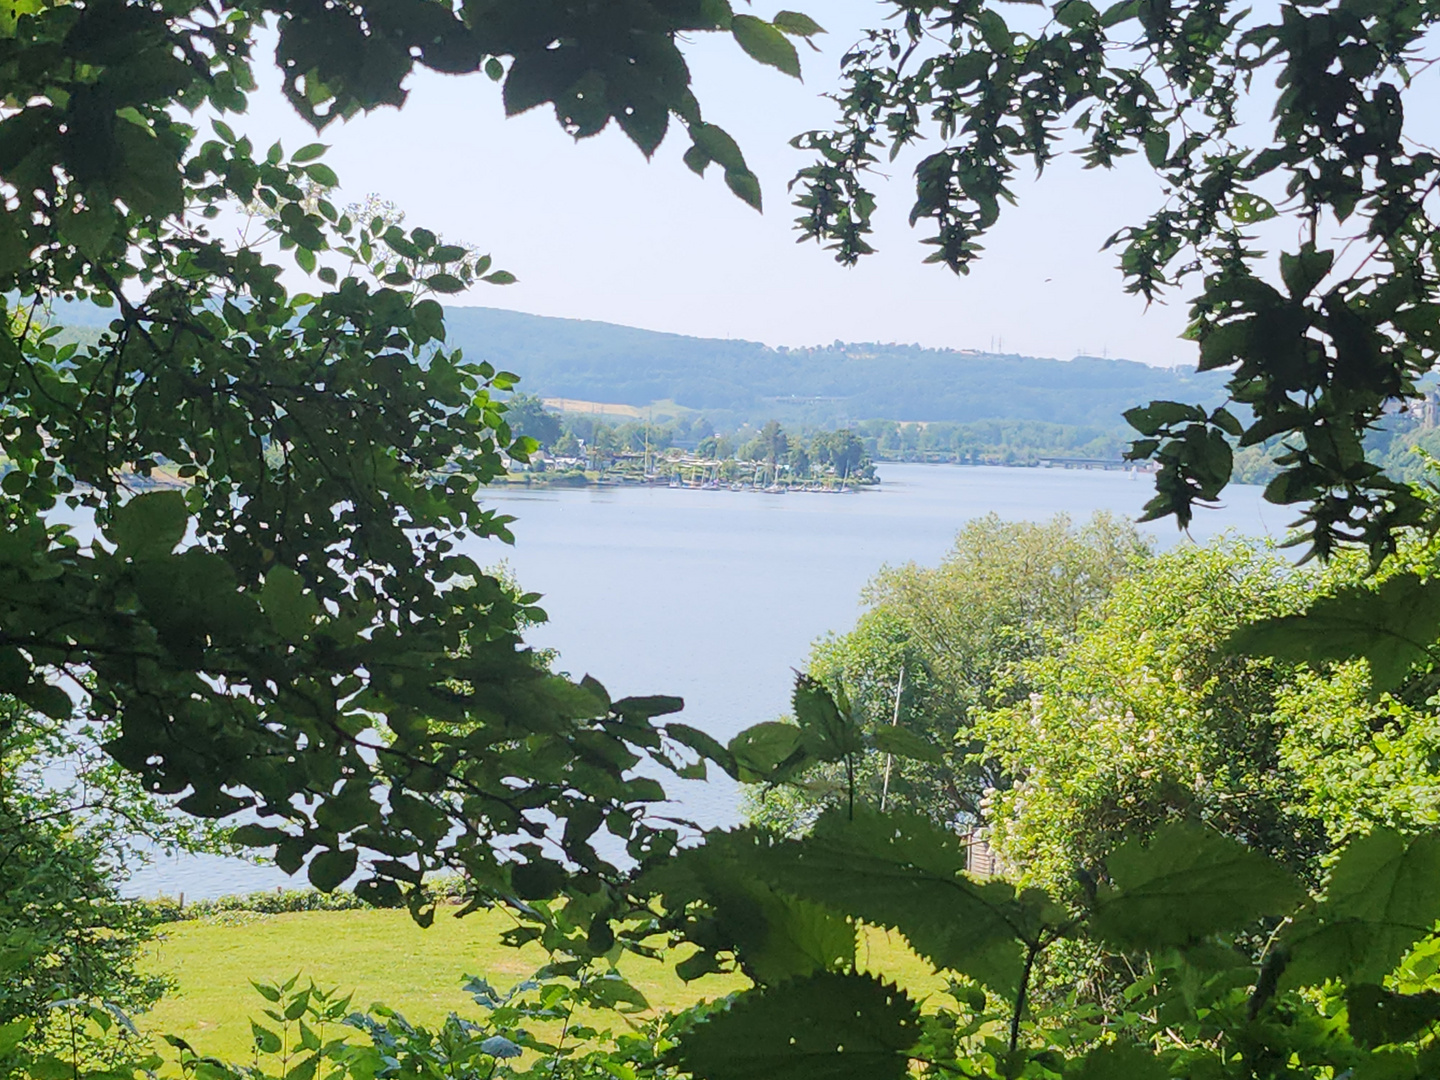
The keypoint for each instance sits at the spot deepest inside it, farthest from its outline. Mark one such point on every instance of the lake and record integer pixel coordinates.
(715, 596)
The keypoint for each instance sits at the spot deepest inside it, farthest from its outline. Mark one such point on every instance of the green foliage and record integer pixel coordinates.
(71, 949)
(1392, 625)
(527, 416)
(1185, 885)
(1359, 762)
(823, 385)
(1145, 719)
(1378, 902)
(290, 628)
(840, 1026)
(1005, 593)
(1321, 340)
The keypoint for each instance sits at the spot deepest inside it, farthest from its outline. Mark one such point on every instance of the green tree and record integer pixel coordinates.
(937, 646)
(567, 445)
(842, 451)
(1143, 718)
(527, 416)
(290, 628)
(71, 823)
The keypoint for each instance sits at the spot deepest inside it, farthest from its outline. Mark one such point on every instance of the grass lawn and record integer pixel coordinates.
(381, 956)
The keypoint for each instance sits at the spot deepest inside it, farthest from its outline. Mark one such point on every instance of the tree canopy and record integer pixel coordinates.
(936, 647)
(1309, 239)
(289, 625)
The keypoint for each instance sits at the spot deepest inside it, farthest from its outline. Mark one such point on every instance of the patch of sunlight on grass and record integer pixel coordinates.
(382, 956)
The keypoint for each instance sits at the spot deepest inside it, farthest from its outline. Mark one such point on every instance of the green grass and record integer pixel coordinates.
(381, 956)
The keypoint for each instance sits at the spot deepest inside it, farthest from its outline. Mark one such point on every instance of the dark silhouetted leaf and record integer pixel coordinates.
(1392, 627)
(827, 1027)
(1186, 883)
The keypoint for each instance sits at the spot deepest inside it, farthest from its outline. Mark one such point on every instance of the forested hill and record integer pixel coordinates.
(598, 361)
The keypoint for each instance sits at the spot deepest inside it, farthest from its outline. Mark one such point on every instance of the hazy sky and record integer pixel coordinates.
(595, 232)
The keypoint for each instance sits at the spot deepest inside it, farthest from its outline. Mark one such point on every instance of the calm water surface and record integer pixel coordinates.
(715, 596)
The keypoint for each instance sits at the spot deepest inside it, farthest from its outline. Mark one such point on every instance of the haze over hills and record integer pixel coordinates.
(739, 381)
(597, 361)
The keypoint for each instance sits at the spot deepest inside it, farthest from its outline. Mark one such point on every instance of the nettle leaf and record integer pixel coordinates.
(1392, 627)
(1379, 1017)
(903, 872)
(826, 1027)
(774, 936)
(830, 732)
(765, 43)
(266, 1041)
(149, 526)
(1381, 898)
(1188, 882)
(1121, 1061)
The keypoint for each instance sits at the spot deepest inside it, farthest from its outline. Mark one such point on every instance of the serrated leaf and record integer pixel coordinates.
(1149, 419)
(323, 175)
(1378, 1016)
(648, 706)
(905, 873)
(826, 1027)
(765, 43)
(1380, 899)
(297, 1005)
(767, 751)
(445, 283)
(1188, 882)
(697, 160)
(829, 733)
(268, 992)
(745, 185)
(1392, 627)
(266, 1041)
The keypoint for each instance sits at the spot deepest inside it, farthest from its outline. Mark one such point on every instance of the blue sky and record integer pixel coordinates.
(596, 232)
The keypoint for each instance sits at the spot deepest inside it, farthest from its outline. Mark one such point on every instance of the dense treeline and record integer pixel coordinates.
(600, 362)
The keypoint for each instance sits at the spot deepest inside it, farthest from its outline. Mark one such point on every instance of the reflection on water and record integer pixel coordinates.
(715, 596)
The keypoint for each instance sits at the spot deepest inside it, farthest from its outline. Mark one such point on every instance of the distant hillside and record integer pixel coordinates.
(745, 380)
(597, 361)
